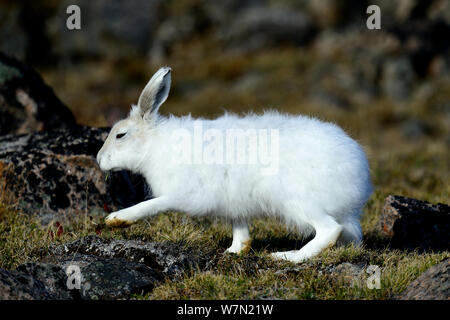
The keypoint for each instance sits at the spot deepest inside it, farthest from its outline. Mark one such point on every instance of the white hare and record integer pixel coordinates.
(320, 183)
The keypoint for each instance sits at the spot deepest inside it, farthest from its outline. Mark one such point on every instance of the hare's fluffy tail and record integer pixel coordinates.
(351, 231)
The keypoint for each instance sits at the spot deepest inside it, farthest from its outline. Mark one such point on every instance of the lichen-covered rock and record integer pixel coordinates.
(33, 281)
(170, 258)
(97, 268)
(349, 274)
(106, 278)
(77, 276)
(27, 104)
(414, 224)
(433, 284)
(55, 172)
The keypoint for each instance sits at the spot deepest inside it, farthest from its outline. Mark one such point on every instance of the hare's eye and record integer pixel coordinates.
(120, 135)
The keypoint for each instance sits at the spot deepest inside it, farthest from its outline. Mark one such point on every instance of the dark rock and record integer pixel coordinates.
(22, 29)
(9, 17)
(328, 98)
(440, 10)
(77, 277)
(171, 32)
(414, 224)
(56, 172)
(27, 104)
(52, 276)
(422, 40)
(415, 129)
(170, 258)
(433, 284)
(395, 12)
(334, 14)
(107, 278)
(112, 29)
(258, 28)
(33, 281)
(397, 78)
(222, 12)
(97, 268)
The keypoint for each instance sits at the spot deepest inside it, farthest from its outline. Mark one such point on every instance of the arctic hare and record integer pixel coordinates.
(319, 184)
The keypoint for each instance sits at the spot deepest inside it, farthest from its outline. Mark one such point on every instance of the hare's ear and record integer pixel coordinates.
(154, 93)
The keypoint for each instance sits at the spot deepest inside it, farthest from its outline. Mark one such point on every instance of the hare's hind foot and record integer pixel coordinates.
(241, 237)
(242, 248)
(326, 237)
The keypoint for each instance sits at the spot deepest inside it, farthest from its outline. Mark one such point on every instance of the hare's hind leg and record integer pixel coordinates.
(327, 233)
(241, 237)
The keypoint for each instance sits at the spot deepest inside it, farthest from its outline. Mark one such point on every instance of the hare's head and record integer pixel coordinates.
(125, 146)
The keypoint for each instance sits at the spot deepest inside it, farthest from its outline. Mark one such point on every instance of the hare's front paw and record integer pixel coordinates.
(118, 219)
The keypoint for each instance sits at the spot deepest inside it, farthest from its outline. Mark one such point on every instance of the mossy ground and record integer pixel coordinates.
(413, 166)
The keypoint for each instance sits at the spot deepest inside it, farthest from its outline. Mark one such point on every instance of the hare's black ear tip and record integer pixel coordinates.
(167, 69)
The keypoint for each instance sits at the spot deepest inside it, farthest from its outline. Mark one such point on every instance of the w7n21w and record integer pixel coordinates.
(247, 309)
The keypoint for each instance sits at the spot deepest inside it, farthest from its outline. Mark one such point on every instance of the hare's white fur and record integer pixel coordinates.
(321, 186)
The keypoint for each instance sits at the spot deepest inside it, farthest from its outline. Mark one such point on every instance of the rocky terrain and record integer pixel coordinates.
(108, 269)
(27, 104)
(56, 172)
(433, 284)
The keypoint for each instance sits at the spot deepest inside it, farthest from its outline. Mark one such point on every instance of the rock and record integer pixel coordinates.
(334, 14)
(222, 12)
(170, 258)
(440, 10)
(27, 104)
(114, 268)
(414, 224)
(77, 277)
(9, 17)
(33, 281)
(109, 29)
(414, 129)
(257, 28)
(55, 172)
(433, 284)
(108, 278)
(328, 98)
(395, 12)
(348, 273)
(171, 32)
(22, 30)
(98, 268)
(397, 78)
